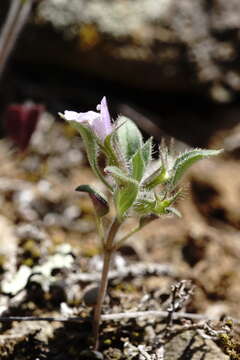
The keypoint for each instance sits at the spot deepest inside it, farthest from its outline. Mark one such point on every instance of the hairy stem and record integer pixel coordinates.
(108, 250)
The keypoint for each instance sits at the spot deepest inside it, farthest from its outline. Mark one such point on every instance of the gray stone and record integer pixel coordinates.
(180, 45)
(191, 346)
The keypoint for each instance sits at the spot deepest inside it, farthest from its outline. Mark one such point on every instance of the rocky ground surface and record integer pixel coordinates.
(70, 53)
(49, 260)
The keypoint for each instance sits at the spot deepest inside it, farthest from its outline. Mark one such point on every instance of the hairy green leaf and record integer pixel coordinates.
(129, 137)
(91, 146)
(109, 150)
(138, 165)
(147, 151)
(140, 160)
(184, 161)
(124, 198)
(157, 177)
(119, 176)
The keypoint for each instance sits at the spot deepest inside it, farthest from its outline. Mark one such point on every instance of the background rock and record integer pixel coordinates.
(191, 346)
(168, 45)
(173, 63)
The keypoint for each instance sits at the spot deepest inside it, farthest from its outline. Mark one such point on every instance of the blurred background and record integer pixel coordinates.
(173, 67)
(173, 62)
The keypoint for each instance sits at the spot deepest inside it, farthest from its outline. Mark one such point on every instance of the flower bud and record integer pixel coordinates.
(99, 202)
(21, 121)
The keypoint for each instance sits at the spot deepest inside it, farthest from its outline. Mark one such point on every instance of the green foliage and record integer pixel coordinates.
(147, 152)
(124, 198)
(144, 205)
(119, 175)
(185, 160)
(109, 149)
(128, 159)
(140, 160)
(91, 146)
(152, 203)
(137, 165)
(156, 178)
(126, 190)
(129, 137)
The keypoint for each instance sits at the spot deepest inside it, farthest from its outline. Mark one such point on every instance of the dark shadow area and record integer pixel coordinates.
(190, 350)
(187, 117)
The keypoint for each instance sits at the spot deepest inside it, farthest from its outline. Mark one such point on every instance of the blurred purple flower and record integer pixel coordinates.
(21, 121)
(99, 122)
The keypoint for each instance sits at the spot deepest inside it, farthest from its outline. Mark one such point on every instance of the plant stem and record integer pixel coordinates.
(100, 229)
(108, 250)
(122, 240)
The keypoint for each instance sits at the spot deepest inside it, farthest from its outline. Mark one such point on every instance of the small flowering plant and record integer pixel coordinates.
(137, 188)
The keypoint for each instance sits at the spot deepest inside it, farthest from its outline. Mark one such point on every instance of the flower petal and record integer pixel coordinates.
(104, 127)
(70, 115)
(88, 117)
(100, 123)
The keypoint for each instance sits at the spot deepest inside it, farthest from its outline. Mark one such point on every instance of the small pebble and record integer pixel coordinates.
(90, 296)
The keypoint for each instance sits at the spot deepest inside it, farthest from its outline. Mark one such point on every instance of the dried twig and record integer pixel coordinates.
(115, 317)
(135, 270)
(153, 313)
(180, 294)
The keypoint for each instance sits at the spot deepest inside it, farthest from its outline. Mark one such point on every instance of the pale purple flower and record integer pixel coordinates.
(100, 123)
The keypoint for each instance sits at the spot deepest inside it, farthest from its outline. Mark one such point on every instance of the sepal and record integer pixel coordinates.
(145, 203)
(109, 151)
(91, 145)
(154, 204)
(163, 205)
